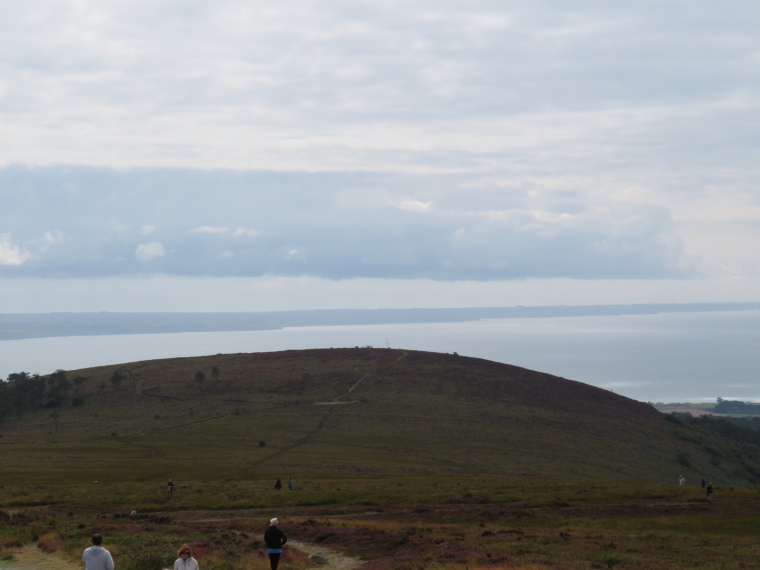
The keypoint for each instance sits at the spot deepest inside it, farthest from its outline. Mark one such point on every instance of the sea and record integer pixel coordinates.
(657, 358)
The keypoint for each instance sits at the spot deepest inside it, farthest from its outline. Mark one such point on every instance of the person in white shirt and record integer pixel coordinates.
(185, 560)
(96, 557)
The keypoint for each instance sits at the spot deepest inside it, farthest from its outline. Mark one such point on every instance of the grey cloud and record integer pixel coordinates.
(582, 87)
(532, 128)
(333, 225)
(319, 62)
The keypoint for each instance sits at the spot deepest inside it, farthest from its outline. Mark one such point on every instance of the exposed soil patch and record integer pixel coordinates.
(334, 558)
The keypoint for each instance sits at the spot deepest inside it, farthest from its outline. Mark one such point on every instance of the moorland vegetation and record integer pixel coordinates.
(404, 459)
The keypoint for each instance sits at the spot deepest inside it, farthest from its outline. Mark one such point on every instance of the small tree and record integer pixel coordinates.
(215, 373)
(116, 378)
(58, 388)
(200, 377)
(80, 392)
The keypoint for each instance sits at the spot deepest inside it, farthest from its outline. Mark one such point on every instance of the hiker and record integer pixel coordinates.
(185, 560)
(290, 483)
(274, 539)
(703, 482)
(170, 487)
(681, 480)
(278, 484)
(96, 557)
(709, 491)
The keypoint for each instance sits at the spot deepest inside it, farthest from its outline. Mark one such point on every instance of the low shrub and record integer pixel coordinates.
(50, 542)
(148, 554)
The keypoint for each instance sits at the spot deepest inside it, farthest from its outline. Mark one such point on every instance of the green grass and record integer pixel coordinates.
(408, 412)
(435, 461)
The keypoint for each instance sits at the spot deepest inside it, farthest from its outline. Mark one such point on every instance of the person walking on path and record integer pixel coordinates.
(278, 484)
(709, 491)
(96, 557)
(185, 560)
(681, 480)
(274, 539)
(170, 487)
(703, 482)
(290, 484)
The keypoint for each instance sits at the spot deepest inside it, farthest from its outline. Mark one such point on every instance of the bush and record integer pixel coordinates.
(150, 554)
(673, 419)
(50, 542)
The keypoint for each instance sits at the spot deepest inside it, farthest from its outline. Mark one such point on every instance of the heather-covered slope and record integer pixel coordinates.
(356, 410)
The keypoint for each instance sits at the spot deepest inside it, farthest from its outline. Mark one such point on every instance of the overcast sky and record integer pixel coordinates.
(194, 155)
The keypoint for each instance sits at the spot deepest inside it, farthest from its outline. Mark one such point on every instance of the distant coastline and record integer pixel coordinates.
(18, 326)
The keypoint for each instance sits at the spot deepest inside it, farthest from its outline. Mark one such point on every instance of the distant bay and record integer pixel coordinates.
(660, 357)
(14, 326)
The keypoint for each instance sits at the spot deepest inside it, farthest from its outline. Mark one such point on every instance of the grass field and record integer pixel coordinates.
(403, 459)
(396, 521)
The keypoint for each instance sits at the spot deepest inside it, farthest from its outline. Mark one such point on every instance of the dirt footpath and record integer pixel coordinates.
(335, 560)
(32, 558)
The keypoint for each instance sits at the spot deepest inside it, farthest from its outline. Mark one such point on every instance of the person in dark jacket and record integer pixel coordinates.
(274, 539)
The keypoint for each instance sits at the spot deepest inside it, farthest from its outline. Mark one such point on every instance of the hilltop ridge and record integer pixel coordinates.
(357, 410)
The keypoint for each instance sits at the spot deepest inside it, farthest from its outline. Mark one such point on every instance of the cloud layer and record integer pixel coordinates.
(434, 85)
(443, 140)
(334, 226)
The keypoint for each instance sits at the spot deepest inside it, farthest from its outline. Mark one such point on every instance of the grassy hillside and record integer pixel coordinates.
(353, 411)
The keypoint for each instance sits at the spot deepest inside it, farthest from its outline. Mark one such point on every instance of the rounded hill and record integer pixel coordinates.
(357, 410)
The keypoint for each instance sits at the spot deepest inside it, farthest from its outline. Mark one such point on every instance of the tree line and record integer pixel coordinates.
(736, 407)
(22, 393)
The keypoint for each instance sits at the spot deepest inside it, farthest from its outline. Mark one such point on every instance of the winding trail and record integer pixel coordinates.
(359, 381)
(337, 399)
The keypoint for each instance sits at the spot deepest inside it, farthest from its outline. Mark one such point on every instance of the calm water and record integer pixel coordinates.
(666, 358)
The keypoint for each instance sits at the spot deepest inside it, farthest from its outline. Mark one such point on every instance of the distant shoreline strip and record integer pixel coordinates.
(20, 326)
